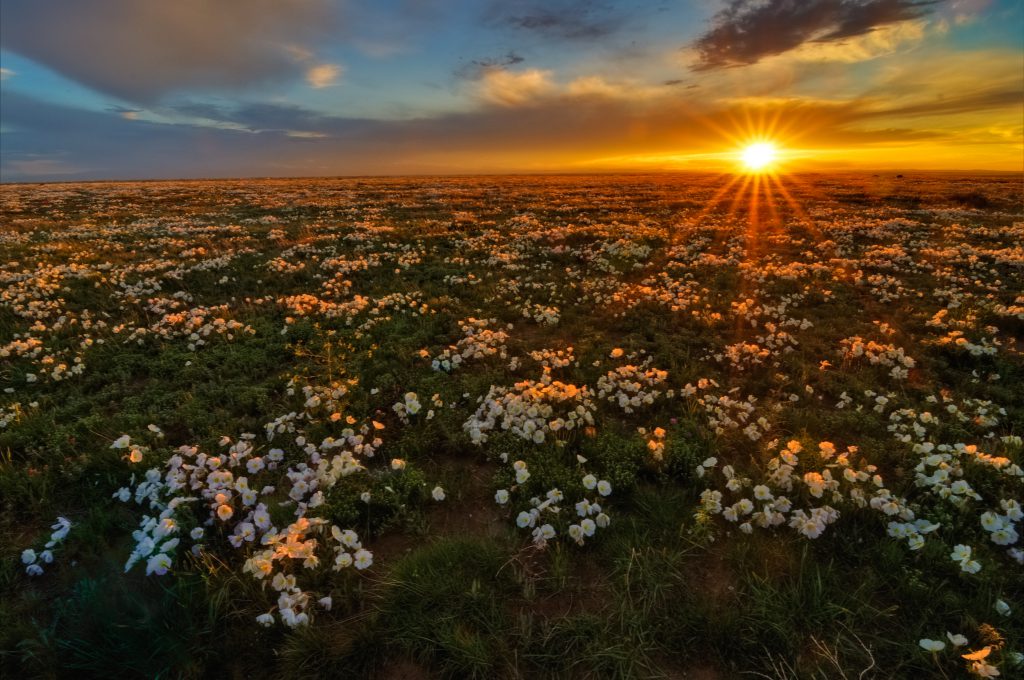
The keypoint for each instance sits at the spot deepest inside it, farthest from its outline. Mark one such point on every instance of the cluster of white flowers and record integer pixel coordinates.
(553, 358)
(631, 387)
(532, 409)
(1002, 527)
(237, 489)
(819, 481)
(195, 325)
(545, 513)
(34, 561)
(297, 545)
(726, 413)
(478, 342)
(409, 406)
(742, 355)
(546, 315)
(876, 353)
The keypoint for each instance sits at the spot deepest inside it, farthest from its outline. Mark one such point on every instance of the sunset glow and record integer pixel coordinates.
(758, 157)
(121, 89)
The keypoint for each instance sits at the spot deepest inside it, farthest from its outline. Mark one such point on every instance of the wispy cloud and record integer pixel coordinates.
(558, 19)
(515, 88)
(476, 68)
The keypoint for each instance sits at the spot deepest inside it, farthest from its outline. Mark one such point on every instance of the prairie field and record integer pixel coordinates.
(640, 426)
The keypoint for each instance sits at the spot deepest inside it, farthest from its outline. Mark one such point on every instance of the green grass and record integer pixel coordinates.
(456, 589)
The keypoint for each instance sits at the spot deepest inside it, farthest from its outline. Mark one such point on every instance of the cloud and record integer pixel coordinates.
(511, 88)
(879, 42)
(323, 75)
(593, 86)
(140, 50)
(475, 69)
(747, 31)
(580, 20)
(6, 73)
(125, 112)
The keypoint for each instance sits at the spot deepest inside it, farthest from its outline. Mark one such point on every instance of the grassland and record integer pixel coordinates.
(565, 427)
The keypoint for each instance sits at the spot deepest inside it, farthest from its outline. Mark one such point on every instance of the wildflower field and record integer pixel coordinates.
(665, 426)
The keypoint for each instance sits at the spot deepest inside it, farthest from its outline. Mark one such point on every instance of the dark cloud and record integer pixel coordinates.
(140, 50)
(748, 30)
(476, 68)
(579, 20)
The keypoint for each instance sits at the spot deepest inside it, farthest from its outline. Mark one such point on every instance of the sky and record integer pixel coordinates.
(160, 89)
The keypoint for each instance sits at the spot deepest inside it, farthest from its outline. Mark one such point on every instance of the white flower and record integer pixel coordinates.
(158, 564)
(1002, 607)
(932, 645)
(604, 488)
(34, 570)
(524, 519)
(437, 493)
(589, 482)
(197, 533)
(326, 602)
(957, 640)
(990, 521)
(970, 566)
(397, 464)
(960, 553)
(121, 442)
(501, 496)
(576, 533)
(265, 620)
(28, 556)
(363, 559)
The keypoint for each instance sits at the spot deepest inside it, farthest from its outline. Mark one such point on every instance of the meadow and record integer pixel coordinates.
(645, 426)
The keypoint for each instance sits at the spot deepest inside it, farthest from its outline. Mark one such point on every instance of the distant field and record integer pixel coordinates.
(685, 426)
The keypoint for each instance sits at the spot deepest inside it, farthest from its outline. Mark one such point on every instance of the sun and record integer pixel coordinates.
(758, 157)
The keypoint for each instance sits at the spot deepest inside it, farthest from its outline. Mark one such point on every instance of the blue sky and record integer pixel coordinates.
(124, 89)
